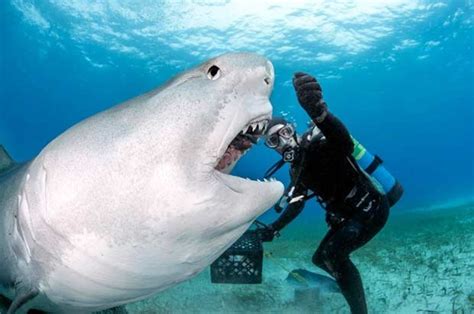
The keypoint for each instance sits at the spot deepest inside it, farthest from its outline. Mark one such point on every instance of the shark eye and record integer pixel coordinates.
(214, 72)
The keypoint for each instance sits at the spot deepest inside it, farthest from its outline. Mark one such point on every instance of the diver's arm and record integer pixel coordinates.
(292, 191)
(310, 97)
(283, 202)
(288, 215)
(296, 200)
(336, 133)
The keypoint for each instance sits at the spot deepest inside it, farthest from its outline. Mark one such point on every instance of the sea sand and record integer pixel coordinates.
(421, 262)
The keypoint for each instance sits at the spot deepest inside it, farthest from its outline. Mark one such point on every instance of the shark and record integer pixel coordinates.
(140, 197)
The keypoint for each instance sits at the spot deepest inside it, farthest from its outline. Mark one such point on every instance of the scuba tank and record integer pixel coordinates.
(372, 165)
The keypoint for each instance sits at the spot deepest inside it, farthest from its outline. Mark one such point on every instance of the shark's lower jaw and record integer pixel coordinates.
(239, 146)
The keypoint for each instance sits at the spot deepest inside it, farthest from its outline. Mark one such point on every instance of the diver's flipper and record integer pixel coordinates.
(6, 162)
(23, 296)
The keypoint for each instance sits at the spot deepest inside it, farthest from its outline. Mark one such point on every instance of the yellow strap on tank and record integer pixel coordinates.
(359, 150)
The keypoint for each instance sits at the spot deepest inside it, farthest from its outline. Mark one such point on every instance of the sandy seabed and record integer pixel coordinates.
(421, 262)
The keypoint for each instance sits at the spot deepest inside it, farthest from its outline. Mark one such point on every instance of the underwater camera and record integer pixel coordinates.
(242, 262)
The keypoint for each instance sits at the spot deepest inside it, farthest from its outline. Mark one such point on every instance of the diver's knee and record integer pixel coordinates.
(320, 258)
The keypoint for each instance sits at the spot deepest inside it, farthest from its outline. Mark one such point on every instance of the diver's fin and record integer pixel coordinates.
(6, 162)
(23, 296)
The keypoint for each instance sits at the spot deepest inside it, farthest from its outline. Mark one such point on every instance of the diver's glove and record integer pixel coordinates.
(310, 96)
(268, 234)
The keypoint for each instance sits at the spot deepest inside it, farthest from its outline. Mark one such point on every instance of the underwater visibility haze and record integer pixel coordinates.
(398, 73)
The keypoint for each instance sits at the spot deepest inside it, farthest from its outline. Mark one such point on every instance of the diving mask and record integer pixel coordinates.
(286, 132)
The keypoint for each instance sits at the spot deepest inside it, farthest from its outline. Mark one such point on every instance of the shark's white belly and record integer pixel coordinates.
(106, 253)
(92, 272)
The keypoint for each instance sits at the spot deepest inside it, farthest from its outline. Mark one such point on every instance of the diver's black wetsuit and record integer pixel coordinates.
(355, 210)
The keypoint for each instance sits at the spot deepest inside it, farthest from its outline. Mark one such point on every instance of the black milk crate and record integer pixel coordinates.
(241, 263)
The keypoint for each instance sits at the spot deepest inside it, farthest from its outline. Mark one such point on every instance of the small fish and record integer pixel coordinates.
(302, 278)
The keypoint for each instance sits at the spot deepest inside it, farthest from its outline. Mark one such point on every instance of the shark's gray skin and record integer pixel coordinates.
(302, 278)
(137, 198)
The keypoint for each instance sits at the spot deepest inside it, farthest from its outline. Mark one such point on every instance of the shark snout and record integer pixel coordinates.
(270, 73)
(262, 80)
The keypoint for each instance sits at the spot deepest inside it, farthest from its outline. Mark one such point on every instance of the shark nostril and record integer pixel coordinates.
(267, 80)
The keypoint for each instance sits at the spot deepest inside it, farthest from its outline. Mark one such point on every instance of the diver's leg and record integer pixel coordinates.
(336, 257)
(333, 255)
(318, 257)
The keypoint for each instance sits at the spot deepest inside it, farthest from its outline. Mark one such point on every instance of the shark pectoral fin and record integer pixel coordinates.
(4, 304)
(6, 162)
(115, 310)
(23, 296)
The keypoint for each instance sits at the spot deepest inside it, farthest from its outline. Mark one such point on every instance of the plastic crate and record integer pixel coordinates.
(241, 263)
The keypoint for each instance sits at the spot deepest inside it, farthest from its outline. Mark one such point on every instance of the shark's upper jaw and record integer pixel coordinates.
(245, 124)
(241, 143)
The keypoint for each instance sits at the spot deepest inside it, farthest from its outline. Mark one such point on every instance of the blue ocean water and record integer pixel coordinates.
(399, 73)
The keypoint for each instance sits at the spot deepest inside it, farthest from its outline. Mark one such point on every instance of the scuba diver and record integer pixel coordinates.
(321, 161)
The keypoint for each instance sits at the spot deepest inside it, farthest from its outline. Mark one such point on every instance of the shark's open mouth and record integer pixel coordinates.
(246, 138)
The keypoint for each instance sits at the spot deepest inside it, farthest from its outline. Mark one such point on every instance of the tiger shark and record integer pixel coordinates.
(137, 198)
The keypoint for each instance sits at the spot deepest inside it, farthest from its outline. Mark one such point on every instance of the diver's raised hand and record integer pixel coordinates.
(310, 96)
